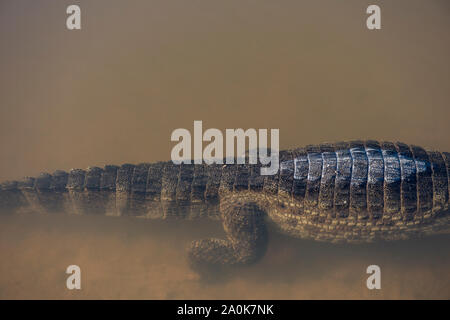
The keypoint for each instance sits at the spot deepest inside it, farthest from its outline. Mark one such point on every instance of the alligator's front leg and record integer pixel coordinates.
(243, 222)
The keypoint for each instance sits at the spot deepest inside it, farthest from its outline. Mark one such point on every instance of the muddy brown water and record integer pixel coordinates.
(114, 91)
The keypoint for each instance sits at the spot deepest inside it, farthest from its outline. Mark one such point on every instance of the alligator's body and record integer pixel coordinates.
(350, 191)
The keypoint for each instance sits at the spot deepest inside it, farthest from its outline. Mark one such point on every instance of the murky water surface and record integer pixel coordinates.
(114, 91)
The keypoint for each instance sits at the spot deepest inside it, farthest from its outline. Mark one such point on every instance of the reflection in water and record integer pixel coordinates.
(131, 258)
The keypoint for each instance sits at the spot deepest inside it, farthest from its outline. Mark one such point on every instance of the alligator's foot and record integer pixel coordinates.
(246, 241)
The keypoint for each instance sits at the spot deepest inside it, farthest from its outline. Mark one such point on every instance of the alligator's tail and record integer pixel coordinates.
(159, 190)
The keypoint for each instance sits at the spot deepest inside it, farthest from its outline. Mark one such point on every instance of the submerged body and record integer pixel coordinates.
(343, 192)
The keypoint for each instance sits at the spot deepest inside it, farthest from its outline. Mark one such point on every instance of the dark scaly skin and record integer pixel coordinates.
(343, 192)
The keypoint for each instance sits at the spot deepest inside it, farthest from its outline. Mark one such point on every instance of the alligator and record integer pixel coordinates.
(351, 192)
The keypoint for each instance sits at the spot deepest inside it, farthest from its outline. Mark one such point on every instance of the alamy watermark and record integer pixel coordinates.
(74, 280)
(73, 21)
(374, 281)
(214, 151)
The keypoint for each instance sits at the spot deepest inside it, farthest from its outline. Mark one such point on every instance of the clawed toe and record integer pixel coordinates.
(211, 257)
